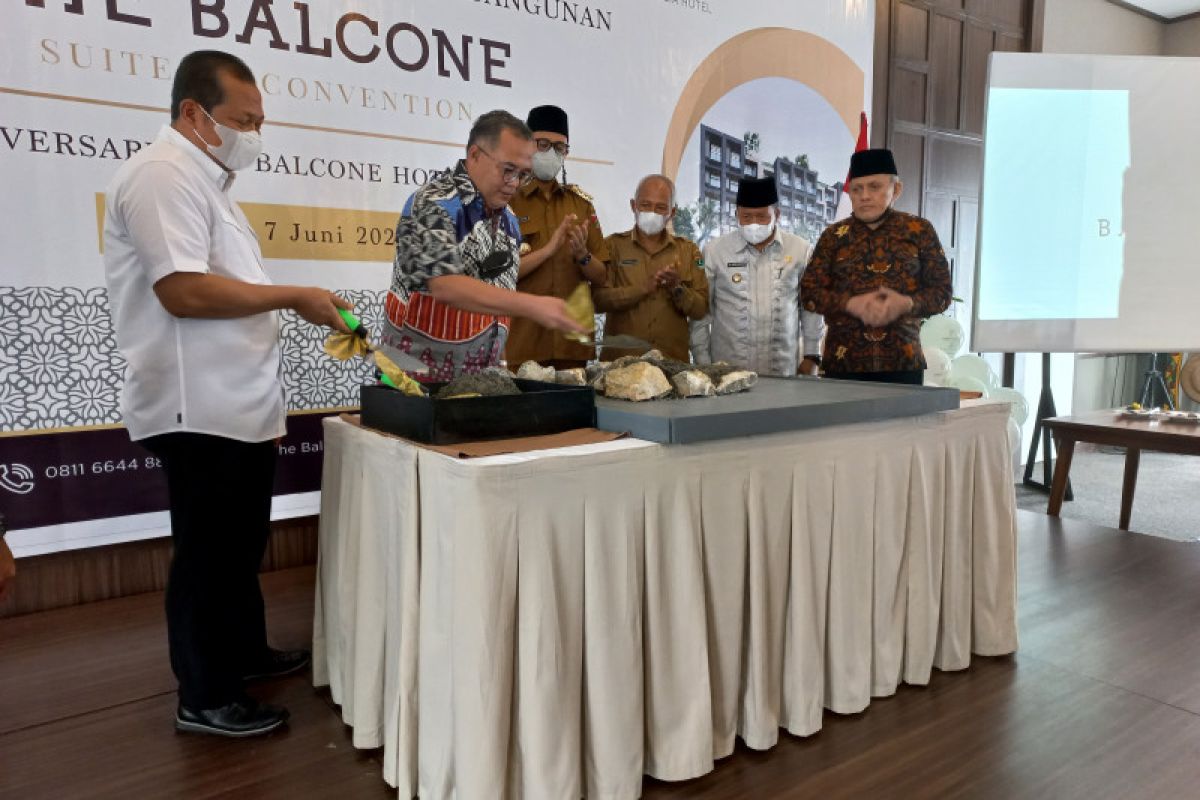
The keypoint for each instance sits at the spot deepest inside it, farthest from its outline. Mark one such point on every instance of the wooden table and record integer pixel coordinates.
(1107, 428)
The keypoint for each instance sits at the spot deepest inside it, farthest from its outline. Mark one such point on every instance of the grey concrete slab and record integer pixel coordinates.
(774, 405)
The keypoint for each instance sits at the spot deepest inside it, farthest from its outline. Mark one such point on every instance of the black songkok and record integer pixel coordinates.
(757, 193)
(548, 118)
(878, 161)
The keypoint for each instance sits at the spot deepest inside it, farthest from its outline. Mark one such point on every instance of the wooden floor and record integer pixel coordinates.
(1102, 701)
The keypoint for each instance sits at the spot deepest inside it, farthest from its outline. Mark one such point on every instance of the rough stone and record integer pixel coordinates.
(533, 371)
(594, 371)
(738, 381)
(639, 381)
(693, 383)
(497, 370)
(486, 384)
(571, 377)
(672, 367)
(624, 361)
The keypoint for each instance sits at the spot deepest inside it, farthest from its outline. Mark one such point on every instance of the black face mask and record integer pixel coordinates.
(497, 261)
(495, 264)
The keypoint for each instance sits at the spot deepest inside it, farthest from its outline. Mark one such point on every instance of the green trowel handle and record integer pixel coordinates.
(352, 322)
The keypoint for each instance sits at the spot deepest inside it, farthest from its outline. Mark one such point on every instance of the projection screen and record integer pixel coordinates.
(1089, 236)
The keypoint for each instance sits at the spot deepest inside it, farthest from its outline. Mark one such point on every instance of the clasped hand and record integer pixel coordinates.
(879, 307)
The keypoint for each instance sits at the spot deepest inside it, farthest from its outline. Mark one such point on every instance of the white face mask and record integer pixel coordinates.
(650, 223)
(547, 165)
(757, 234)
(238, 149)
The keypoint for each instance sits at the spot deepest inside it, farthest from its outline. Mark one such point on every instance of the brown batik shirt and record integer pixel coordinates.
(850, 258)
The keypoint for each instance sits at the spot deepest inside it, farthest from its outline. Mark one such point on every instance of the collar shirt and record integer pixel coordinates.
(445, 229)
(540, 208)
(754, 316)
(168, 210)
(659, 317)
(851, 258)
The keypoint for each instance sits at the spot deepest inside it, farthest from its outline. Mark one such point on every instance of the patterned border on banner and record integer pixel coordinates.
(60, 368)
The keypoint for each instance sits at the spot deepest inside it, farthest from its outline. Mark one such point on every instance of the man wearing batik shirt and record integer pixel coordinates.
(875, 276)
(457, 254)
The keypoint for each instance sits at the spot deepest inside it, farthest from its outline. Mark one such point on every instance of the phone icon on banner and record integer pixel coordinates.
(16, 478)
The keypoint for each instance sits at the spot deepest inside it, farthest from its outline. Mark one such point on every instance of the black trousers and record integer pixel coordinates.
(220, 499)
(914, 377)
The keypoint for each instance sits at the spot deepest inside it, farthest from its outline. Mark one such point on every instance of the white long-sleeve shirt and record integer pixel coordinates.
(755, 319)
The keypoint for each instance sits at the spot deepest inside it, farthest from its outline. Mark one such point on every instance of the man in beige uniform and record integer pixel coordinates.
(561, 244)
(655, 280)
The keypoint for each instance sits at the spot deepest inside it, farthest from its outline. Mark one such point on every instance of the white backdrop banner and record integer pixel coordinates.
(365, 101)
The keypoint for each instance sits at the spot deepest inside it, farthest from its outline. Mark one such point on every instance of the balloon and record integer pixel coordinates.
(1020, 406)
(944, 333)
(938, 370)
(1014, 439)
(972, 366)
(965, 383)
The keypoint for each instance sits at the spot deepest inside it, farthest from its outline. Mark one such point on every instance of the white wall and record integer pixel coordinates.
(1100, 28)
(1182, 38)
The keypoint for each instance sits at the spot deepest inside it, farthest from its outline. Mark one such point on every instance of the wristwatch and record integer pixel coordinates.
(583, 262)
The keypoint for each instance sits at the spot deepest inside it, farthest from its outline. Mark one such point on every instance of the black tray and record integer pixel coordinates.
(541, 408)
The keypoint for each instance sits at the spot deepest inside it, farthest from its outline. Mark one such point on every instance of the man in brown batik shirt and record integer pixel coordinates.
(875, 276)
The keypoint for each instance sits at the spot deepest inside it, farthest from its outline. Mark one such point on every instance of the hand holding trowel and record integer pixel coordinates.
(583, 312)
(344, 346)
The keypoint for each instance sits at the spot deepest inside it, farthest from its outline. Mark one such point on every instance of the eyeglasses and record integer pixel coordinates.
(510, 173)
(562, 148)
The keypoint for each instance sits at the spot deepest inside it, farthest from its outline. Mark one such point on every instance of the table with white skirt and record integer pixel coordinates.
(555, 624)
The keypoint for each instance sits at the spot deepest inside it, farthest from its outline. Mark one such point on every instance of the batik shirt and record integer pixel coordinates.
(850, 258)
(445, 229)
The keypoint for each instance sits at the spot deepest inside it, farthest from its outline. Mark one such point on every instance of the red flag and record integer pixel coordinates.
(843, 207)
(860, 145)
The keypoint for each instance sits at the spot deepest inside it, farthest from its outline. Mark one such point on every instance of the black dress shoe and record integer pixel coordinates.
(277, 663)
(245, 717)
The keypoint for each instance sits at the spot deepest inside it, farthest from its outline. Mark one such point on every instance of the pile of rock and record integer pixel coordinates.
(647, 377)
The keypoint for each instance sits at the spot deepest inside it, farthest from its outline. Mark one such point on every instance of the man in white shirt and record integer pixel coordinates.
(754, 318)
(196, 317)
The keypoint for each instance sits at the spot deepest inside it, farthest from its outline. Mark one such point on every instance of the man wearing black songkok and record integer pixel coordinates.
(561, 243)
(875, 276)
(755, 319)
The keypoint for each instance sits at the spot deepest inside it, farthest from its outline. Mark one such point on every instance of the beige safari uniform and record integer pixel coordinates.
(661, 317)
(540, 208)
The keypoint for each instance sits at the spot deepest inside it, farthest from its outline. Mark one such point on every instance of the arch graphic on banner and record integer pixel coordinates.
(765, 53)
